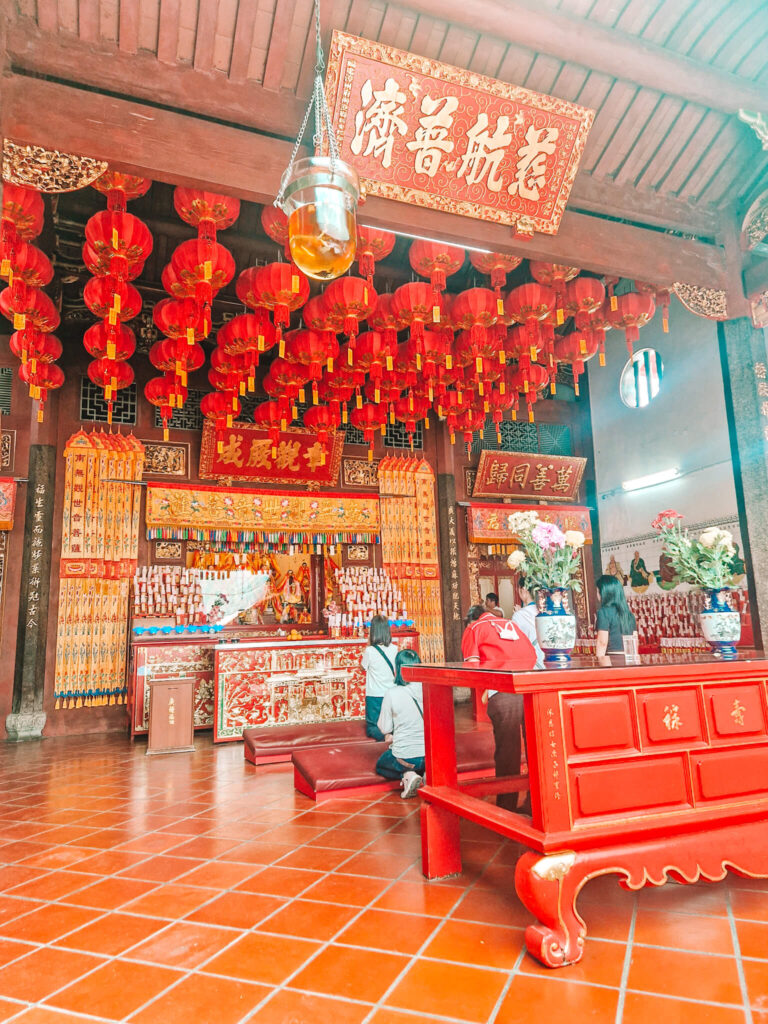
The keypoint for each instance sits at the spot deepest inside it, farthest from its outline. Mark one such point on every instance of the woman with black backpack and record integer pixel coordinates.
(379, 664)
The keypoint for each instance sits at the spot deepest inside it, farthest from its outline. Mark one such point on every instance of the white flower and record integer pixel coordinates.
(520, 523)
(574, 538)
(714, 537)
(516, 560)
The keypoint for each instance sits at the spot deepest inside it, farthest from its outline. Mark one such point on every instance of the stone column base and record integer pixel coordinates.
(25, 725)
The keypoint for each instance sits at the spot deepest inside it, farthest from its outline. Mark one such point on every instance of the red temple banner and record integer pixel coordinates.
(7, 502)
(527, 475)
(300, 458)
(427, 133)
(488, 524)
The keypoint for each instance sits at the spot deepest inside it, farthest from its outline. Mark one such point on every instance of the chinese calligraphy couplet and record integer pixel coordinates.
(527, 475)
(423, 132)
(247, 454)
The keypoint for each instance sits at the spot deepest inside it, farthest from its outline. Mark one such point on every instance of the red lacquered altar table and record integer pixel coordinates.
(653, 771)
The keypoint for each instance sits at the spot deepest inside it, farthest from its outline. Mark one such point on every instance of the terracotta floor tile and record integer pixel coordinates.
(171, 900)
(9, 1009)
(160, 869)
(602, 964)
(313, 858)
(686, 975)
(684, 931)
(389, 930)
(289, 1007)
(351, 973)
(111, 934)
(106, 839)
(184, 945)
(40, 1015)
(420, 898)
(115, 990)
(22, 850)
(109, 862)
(280, 881)
(376, 865)
(11, 949)
(342, 839)
(12, 875)
(339, 889)
(753, 939)
(748, 905)
(55, 885)
(640, 1008)
(35, 976)
(257, 852)
(268, 959)
(309, 919)
(217, 874)
(48, 922)
(481, 944)
(154, 842)
(606, 922)
(396, 1017)
(237, 909)
(203, 998)
(756, 975)
(493, 907)
(450, 990)
(110, 893)
(702, 898)
(533, 1000)
(57, 857)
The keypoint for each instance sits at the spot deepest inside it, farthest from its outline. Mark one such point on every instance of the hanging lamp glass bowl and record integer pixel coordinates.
(320, 199)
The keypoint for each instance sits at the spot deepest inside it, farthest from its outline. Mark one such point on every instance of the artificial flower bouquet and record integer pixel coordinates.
(548, 555)
(703, 562)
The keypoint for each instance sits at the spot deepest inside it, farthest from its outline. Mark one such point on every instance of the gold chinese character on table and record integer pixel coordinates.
(259, 457)
(287, 454)
(737, 712)
(485, 151)
(563, 479)
(498, 473)
(531, 166)
(171, 711)
(379, 117)
(760, 371)
(432, 140)
(541, 479)
(671, 717)
(520, 474)
(230, 452)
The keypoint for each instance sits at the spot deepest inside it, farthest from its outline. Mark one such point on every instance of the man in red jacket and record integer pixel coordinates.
(493, 642)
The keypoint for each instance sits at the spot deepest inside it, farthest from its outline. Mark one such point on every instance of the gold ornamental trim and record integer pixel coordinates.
(48, 170)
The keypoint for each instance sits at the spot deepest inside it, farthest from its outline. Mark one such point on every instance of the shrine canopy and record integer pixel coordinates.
(487, 524)
(238, 516)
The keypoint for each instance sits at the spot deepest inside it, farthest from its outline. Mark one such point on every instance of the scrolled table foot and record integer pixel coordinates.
(548, 887)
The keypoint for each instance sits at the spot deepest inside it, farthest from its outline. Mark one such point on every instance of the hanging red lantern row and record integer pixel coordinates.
(337, 391)
(435, 260)
(324, 421)
(577, 348)
(23, 302)
(249, 336)
(633, 311)
(117, 245)
(373, 244)
(222, 408)
(275, 224)
(662, 297)
(351, 300)
(315, 350)
(496, 265)
(384, 319)
(208, 212)
(199, 269)
(529, 384)
(415, 306)
(529, 304)
(369, 419)
(476, 310)
(556, 276)
(280, 288)
(285, 382)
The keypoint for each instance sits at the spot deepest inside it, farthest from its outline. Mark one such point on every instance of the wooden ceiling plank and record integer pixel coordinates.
(576, 8)
(333, 14)
(681, 131)
(390, 25)
(488, 55)
(168, 34)
(756, 60)
(607, 12)
(88, 20)
(720, 30)
(754, 184)
(433, 35)
(609, 117)
(662, 23)
(458, 47)
(301, 46)
(128, 32)
(278, 44)
(733, 51)
(205, 37)
(403, 39)
(694, 25)
(516, 65)
(723, 178)
(653, 135)
(242, 42)
(636, 16)
(629, 133)
(68, 17)
(166, 145)
(625, 201)
(526, 24)
(543, 73)
(722, 147)
(373, 19)
(688, 158)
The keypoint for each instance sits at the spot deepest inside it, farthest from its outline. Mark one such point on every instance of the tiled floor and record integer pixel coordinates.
(194, 887)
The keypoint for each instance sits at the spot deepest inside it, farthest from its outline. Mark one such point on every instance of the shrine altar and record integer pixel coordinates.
(651, 771)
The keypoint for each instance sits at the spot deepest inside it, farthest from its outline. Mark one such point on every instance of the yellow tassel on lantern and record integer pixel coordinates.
(330, 364)
(514, 415)
(502, 387)
(40, 414)
(453, 438)
(601, 359)
(117, 303)
(350, 356)
(383, 429)
(665, 324)
(559, 317)
(502, 356)
(370, 454)
(418, 361)
(322, 457)
(435, 314)
(219, 447)
(576, 387)
(19, 321)
(552, 388)
(5, 268)
(582, 346)
(166, 435)
(9, 275)
(229, 419)
(614, 303)
(480, 389)
(499, 306)
(534, 352)
(260, 342)
(241, 388)
(426, 422)
(525, 385)
(359, 401)
(392, 417)
(390, 363)
(295, 285)
(344, 416)
(281, 346)
(207, 270)
(115, 240)
(530, 415)
(302, 397)
(479, 364)
(376, 395)
(274, 451)
(283, 425)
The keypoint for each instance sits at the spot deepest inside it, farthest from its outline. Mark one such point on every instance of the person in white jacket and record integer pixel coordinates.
(402, 720)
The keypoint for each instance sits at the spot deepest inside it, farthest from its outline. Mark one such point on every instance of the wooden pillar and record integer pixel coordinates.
(447, 524)
(744, 360)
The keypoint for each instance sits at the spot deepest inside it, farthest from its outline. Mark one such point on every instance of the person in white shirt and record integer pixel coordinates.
(525, 617)
(379, 664)
(402, 717)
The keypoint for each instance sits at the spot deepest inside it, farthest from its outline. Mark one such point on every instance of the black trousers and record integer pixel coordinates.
(505, 711)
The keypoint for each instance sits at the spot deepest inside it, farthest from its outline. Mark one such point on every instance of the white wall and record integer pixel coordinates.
(684, 427)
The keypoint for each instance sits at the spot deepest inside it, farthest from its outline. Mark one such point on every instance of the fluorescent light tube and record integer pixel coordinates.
(651, 480)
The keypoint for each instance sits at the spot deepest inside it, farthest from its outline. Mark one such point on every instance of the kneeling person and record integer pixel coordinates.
(402, 720)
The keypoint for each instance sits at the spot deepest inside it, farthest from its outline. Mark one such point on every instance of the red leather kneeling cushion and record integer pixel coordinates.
(284, 739)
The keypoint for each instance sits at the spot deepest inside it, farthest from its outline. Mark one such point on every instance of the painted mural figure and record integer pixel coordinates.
(614, 569)
(666, 576)
(639, 577)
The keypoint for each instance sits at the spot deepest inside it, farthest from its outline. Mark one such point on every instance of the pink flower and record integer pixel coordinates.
(548, 536)
(666, 520)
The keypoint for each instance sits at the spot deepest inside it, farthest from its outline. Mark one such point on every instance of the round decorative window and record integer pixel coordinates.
(641, 378)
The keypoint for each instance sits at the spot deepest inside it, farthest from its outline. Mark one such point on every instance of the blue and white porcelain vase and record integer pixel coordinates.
(720, 622)
(555, 625)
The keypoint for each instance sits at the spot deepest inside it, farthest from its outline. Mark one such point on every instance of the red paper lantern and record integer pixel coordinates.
(584, 295)
(633, 311)
(556, 276)
(29, 307)
(385, 320)
(115, 301)
(222, 408)
(31, 345)
(427, 359)
(209, 212)
(324, 421)
(160, 392)
(178, 318)
(275, 224)
(497, 403)
(22, 216)
(497, 265)
(44, 378)
(279, 287)
(470, 421)
(285, 382)
(373, 244)
(435, 260)
(176, 357)
(368, 419)
(104, 342)
(111, 375)
(100, 265)
(119, 188)
(337, 391)
(353, 300)
(414, 305)
(312, 349)
(270, 416)
(662, 297)
(229, 372)
(410, 410)
(529, 382)
(249, 335)
(476, 311)
(577, 348)
(25, 264)
(528, 304)
(119, 241)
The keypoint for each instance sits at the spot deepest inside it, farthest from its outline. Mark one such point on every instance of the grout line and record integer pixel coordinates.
(739, 964)
(627, 964)
(503, 994)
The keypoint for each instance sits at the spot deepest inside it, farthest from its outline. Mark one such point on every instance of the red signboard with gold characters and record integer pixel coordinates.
(527, 475)
(298, 456)
(427, 133)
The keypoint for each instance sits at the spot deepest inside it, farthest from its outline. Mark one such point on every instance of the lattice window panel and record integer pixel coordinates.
(188, 418)
(554, 439)
(6, 382)
(396, 436)
(353, 436)
(515, 437)
(94, 408)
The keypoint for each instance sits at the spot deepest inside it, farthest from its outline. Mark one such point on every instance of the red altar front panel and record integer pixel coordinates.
(173, 659)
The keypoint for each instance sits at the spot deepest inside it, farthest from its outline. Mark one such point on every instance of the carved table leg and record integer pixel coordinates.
(548, 887)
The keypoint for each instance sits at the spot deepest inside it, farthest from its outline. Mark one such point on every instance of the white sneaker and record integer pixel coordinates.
(411, 784)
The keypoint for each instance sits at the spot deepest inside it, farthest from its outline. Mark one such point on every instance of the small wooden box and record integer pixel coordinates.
(171, 715)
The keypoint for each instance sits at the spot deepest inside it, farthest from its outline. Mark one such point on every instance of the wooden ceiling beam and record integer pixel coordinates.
(540, 28)
(183, 150)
